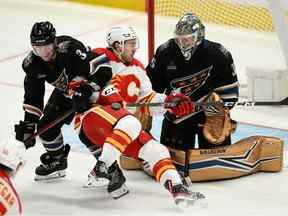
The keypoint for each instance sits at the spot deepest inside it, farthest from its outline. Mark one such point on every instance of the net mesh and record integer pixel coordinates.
(239, 14)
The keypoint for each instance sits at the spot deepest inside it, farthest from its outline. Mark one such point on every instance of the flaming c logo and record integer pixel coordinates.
(128, 86)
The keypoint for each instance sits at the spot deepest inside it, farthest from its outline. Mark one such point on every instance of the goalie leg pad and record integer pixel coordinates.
(129, 163)
(247, 156)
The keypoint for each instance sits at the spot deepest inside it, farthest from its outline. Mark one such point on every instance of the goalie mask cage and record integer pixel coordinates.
(263, 20)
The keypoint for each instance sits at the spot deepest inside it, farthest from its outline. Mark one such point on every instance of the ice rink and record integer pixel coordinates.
(262, 194)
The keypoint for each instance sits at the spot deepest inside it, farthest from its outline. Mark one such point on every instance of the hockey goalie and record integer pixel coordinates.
(204, 72)
(247, 156)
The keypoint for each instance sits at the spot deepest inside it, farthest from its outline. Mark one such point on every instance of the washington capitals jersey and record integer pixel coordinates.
(72, 59)
(210, 68)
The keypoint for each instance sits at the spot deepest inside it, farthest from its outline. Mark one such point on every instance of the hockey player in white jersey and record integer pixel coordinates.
(129, 77)
(109, 126)
(114, 130)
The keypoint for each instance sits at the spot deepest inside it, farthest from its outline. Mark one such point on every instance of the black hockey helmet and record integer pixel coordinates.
(190, 24)
(42, 33)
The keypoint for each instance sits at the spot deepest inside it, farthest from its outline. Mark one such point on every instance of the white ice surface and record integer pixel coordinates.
(263, 194)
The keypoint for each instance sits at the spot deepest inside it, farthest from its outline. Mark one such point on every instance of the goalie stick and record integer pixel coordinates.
(187, 178)
(199, 104)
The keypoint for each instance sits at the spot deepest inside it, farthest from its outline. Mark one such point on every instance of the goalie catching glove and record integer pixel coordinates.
(218, 125)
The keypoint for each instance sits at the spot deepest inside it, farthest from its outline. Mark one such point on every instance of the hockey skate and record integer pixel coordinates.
(94, 181)
(184, 197)
(116, 186)
(52, 167)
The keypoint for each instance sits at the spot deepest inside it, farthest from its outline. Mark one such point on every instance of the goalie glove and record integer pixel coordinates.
(145, 119)
(218, 125)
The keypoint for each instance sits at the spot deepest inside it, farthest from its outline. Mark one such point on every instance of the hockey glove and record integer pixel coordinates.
(218, 125)
(11, 154)
(179, 104)
(24, 130)
(81, 97)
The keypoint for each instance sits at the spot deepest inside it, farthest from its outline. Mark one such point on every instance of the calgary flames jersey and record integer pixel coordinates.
(130, 79)
(8, 194)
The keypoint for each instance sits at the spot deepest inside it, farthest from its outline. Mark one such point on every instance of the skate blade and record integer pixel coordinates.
(120, 192)
(55, 175)
(185, 203)
(96, 183)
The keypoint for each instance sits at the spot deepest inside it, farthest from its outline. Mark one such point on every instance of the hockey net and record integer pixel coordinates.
(237, 24)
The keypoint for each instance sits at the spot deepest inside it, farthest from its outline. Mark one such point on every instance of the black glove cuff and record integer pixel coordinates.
(24, 128)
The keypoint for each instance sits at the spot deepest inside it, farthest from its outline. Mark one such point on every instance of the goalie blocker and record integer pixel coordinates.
(247, 156)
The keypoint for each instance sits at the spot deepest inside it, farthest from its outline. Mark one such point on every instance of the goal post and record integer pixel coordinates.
(150, 28)
(258, 15)
(262, 23)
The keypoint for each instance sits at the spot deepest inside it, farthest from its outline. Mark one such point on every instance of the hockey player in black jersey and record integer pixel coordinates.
(59, 61)
(196, 67)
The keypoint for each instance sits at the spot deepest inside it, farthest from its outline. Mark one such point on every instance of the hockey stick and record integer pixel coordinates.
(50, 124)
(199, 104)
(186, 167)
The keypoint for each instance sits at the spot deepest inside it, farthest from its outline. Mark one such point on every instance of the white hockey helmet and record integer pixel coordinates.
(11, 154)
(120, 34)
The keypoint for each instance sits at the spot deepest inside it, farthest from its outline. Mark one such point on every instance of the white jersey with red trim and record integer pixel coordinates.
(130, 79)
